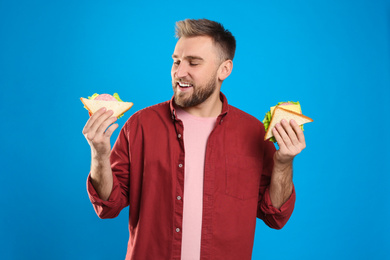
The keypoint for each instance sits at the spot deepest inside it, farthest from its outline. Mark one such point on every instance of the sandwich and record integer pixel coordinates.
(114, 103)
(283, 110)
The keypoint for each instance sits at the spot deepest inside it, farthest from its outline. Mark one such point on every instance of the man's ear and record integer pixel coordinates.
(225, 69)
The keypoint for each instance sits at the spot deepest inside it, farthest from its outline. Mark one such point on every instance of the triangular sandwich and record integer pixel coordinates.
(283, 112)
(118, 107)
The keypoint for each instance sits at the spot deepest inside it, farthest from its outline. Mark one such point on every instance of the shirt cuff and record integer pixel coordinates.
(285, 210)
(94, 197)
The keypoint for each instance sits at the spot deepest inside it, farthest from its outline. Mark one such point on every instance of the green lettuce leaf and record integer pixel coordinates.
(117, 97)
(93, 96)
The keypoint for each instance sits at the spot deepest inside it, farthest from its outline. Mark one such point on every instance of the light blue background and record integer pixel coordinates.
(331, 55)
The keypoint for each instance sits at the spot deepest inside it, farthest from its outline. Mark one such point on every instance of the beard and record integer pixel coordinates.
(199, 95)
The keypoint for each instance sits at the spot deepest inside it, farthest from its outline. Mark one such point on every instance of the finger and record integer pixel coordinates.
(110, 130)
(298, 131)
(105, 124)
(92, 119)
(278, 138)
(96, 124)
(290, 132)
(283, 134)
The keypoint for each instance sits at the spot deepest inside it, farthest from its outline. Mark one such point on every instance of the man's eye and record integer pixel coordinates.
(176, 62)
(193, 64)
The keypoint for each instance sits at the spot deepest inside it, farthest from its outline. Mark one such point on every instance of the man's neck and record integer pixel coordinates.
(211, 107)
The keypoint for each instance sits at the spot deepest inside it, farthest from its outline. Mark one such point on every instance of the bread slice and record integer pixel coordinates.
(291, 107)
(281, 113)
(118, 107)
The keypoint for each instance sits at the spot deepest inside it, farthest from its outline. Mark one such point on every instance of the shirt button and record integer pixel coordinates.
(178, 198)
(179, 135)
(180, 165)
(177, 229)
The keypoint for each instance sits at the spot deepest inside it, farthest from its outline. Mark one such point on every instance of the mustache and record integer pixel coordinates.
(182, 81)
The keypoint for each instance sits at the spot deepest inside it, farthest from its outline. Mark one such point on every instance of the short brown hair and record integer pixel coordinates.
(203, 27)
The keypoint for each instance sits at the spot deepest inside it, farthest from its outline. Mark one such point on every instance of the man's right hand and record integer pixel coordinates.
(98, 133)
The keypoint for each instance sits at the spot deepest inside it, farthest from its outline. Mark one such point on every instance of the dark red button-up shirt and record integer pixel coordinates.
(147, 162)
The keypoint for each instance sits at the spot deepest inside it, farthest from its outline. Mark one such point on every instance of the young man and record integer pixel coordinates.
(195, 171)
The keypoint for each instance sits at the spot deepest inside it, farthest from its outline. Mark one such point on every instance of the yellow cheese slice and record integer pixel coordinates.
(294, 108)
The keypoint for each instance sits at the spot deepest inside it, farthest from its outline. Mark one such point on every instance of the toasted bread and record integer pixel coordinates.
(118, 107)
(281, 113)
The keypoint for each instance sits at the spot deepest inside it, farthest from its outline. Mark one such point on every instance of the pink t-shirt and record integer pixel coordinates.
(196, 133)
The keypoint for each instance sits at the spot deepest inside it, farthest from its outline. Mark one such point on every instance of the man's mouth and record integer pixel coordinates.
(184, 84)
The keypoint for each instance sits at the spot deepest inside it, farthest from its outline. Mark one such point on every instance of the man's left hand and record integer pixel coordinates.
(291, 141)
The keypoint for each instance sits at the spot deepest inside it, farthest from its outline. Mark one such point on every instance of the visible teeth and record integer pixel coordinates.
(184, 85)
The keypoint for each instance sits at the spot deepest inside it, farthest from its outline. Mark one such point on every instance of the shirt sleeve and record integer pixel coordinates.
(119, 197)
(273, 217)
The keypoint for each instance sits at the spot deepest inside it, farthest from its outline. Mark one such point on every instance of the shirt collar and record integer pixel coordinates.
(225, 107)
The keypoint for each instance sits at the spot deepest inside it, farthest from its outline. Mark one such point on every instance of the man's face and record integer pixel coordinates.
(194, 70)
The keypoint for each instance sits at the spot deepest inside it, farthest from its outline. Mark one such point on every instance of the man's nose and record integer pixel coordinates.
(181, 71)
